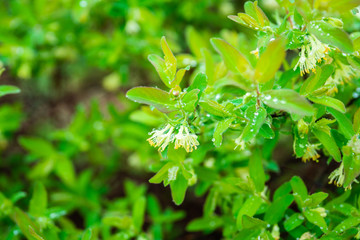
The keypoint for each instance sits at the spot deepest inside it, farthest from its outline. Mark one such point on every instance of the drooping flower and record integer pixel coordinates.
(161, 138)
(338, 176)
(311, 153)
(343, 74)
(186, 139)
(310, 54)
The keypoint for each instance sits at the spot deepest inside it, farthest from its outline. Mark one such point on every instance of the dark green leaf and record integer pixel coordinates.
(345, 124)
(293, 222)
(138, 213)
(201, 224)
(256, 170)
(277, 209)
(328, 142)
(249, 208)
(315, 218)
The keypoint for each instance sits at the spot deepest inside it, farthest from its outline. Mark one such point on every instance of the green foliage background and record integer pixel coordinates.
(75, 163)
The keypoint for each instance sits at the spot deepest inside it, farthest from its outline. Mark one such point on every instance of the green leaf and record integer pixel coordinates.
(221, 127)
(195, 42)
(298, 18)
(345, 124)
(351, 166)
(329, 102)
(256, 170)
(37, 146)
(160, 67)
(283, 190)
(121, 222)
(65, 171)
(138, 213)
(26, 225)
(343, 5)
(270, 61)
(152, 96)
(328, 142)
(266, 131)
(249, 208)
(178, 77)
(210, 202)
(245, 20)
(200, 83)
(38, 202)
(315, 218)
(277, 209)
(209, 66)
(315, 199)
(317, 79)
(87, 234)
(170, 60)
(162, 174)
(201, 224)
(190, 99)
(356, 121)
(178, 189)
(256, 118)
(298, 187)
(346, 224)
(287, 100)
(252, 223)
(214, 108)
(331, 35)
(250, 10)
(8, 89)
(234, 60)
(293, 221)
(300, 142)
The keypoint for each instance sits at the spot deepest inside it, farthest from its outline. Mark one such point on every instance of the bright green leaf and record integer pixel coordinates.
(152, 96)
(287, 100)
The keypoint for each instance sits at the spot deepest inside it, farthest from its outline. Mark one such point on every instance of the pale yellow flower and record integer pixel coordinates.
(186, 139)
(311, 153)
(338, 176)
(310, 54)
(161, 138)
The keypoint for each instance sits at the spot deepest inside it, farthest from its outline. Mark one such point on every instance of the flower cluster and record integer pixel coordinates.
(311, 153)
(310, 54)
(163, 137)
(343, 73)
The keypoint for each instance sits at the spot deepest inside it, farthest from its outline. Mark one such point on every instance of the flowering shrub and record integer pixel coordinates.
(301, 82)
(254, 133)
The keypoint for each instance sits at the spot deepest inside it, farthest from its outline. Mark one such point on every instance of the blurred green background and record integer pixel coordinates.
(69, 135)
